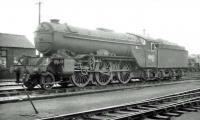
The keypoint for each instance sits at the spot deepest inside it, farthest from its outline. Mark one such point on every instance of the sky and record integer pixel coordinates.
(177, 21)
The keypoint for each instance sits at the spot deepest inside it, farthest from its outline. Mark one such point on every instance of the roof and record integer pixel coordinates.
(12, 40)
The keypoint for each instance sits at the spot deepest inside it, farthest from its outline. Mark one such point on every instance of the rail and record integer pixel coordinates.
(38, 93)
(156, 108)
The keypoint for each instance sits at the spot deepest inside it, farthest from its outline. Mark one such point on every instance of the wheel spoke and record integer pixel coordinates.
(102, 79)
(47, 82)
(79, 79)
(104, 76)
(124, 76)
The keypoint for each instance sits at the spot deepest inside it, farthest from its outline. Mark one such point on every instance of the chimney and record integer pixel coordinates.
(54, 21)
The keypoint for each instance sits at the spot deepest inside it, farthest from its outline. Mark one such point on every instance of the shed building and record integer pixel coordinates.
(12, 47)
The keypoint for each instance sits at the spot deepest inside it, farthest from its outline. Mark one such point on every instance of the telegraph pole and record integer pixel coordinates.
(39, 18)
(39, 12)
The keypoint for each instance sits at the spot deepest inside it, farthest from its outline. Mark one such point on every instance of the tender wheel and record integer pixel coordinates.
(47, 82)
(178, 74)
(160, 75)
(124, 76)
(104, 76)
(79, 79)
(143, 76)
(170, 74)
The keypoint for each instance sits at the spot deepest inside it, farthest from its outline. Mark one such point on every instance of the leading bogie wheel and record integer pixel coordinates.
(79, 79)
(47, 82)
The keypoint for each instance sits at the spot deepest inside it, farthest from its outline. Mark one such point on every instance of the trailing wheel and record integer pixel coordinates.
(178, 74)
(104, 76)
(79, 79)
(124, 75)
(47, 82)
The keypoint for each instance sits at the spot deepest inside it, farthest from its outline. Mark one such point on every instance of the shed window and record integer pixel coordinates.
(2, 62)
(3, 54)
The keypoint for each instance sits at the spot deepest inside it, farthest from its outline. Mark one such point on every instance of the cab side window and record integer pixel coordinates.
(154, 46)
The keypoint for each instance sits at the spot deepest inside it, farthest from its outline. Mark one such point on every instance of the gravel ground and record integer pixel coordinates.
(56, 106)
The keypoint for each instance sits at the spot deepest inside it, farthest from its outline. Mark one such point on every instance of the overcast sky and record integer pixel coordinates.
(177, 21)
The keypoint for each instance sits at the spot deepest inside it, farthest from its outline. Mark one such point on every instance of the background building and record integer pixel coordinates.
(11, 48)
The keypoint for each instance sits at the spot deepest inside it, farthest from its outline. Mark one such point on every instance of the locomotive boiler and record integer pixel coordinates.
(81, 56)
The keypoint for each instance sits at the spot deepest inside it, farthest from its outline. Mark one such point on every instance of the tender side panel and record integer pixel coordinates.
(151, 55)
(151, 59)
(172, 58)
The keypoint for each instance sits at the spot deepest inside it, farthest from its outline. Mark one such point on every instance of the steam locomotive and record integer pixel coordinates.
(102, 56)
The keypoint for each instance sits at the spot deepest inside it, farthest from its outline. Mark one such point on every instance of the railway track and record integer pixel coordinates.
(164, 107)
(7, 85)
(189, 76)
(18, 95)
